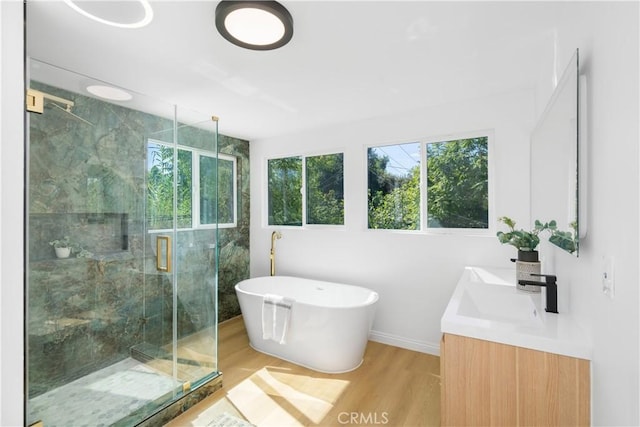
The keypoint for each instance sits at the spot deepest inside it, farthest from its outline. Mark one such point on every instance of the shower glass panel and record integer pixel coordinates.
(126, 323)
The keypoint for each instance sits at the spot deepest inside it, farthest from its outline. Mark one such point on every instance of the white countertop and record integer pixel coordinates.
(487, 305)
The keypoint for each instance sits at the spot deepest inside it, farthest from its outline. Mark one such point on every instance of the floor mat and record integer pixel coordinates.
(227, 420)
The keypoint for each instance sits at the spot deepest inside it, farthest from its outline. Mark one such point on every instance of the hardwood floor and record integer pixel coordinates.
(393, 387)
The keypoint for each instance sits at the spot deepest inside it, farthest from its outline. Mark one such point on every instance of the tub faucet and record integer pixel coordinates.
(552, 290)
(272, 256)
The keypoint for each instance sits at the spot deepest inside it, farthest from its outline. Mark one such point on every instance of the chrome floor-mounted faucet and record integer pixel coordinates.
(272, 256)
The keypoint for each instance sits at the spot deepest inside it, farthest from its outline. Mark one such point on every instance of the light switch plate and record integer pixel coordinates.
(608, 276)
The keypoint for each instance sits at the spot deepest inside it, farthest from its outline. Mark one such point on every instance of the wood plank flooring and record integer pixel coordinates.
(393, 387)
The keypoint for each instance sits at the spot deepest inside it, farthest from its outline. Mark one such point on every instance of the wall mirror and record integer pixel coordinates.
(555, 162)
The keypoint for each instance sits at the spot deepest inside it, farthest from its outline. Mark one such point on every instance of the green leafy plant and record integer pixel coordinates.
(521, 239)
(565, 239)
(529, 240)
(75, 247)
(65, 242)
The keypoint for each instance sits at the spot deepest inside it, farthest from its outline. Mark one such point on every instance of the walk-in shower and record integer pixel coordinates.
(126, 325)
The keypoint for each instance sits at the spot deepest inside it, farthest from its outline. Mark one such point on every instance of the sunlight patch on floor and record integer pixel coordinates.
(211, 412)
(276, 397)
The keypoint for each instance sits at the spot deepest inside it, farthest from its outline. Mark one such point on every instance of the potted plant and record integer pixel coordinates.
(62, 247)
(525, 241)
(65, 247)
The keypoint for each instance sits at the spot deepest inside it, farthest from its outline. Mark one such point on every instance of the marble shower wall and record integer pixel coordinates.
(88, 182)
(234, 242)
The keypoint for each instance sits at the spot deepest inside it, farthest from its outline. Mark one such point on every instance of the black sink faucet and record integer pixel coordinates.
(552, 290)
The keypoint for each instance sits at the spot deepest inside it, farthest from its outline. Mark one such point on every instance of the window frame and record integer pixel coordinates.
(196, 153)
(424, 209)
(303, 191)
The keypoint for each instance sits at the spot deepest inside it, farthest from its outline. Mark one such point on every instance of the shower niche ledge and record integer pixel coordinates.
(107, 232)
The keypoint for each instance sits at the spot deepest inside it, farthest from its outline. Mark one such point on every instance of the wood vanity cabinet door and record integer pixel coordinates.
(553, 389)
(491, 384)
(479, 383)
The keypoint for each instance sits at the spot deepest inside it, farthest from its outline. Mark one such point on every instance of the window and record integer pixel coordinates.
(320, 197)
(325, 189)
(394, 186)
(226, 190)
(458, 184)
(456, 194)
(200, 179)
(285, 186)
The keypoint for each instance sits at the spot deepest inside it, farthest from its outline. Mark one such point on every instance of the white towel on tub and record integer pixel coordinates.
(276, 314)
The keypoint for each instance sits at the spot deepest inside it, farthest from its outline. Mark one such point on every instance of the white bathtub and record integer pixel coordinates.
(329, 324)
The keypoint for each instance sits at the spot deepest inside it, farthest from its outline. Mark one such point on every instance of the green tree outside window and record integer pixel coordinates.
(325, 189)
(216, 180)
(393, 191)
(284, 184)
(458, 184)
(323, 184)
(457, 194)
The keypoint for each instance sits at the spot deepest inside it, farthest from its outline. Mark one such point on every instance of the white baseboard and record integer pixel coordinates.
(408, 343)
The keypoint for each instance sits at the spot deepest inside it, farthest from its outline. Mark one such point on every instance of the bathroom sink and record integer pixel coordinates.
(495, 277)
(487, 305)
(498, 303)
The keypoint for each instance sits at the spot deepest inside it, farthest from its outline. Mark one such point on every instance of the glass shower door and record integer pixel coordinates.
(181, 288)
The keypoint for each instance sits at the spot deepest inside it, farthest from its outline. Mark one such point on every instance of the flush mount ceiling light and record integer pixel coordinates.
(122, 14)
(109, 92)
(257, 25)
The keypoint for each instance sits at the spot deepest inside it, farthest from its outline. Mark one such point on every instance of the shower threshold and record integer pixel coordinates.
(147, 353)
(189, 366)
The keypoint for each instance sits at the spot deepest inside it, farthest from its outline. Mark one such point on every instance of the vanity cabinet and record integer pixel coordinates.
(492, 384)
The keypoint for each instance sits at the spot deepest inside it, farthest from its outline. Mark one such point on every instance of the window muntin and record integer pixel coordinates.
(315, 197)
(197, 175)
(455, 193)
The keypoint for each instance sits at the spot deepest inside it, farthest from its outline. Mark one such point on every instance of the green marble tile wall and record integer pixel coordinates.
(234, 242)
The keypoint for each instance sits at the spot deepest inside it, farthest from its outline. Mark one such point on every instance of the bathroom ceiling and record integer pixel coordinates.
(347, 61)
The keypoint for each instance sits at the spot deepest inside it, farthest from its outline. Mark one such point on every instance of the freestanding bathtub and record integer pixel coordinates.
(329, 323)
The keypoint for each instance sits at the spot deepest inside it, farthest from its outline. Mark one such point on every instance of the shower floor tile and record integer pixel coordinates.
(101, 398)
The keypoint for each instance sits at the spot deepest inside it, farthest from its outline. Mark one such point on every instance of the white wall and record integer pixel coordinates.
(414, 274)
(11, 213)
(607, 35)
